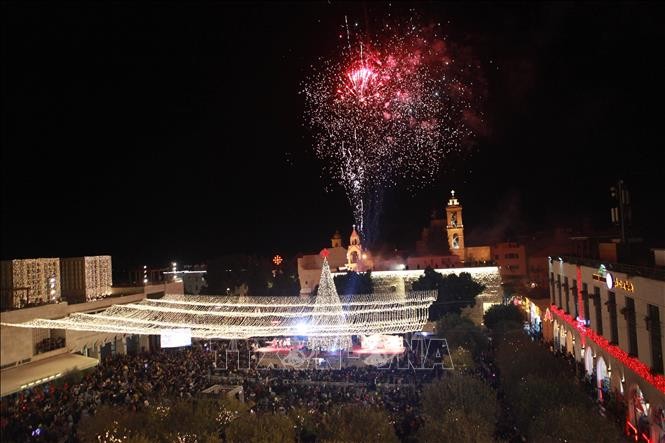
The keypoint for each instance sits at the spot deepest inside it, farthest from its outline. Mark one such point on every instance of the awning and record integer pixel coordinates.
(42, 371)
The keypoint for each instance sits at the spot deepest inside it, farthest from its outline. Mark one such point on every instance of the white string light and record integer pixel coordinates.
(328, 321)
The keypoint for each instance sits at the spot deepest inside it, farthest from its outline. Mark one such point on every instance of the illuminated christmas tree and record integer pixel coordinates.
(328, 316)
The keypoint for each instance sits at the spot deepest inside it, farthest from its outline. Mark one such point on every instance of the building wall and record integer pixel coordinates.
(433, 239)
(644, 291)
(6, 285)
(433, 261)
(309, 278)
(309, 268)
(17, 344)
(538, 270)
(98, 276)
(477, 254)
(29, 281)
(659, 257)
(72, 274)
(511, 259)
(86, 278)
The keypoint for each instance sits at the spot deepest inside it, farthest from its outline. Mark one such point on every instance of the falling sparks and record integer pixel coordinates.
(388, 108)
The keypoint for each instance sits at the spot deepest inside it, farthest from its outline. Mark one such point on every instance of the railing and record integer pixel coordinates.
(631, 270)
(49, 344)
(32, 304)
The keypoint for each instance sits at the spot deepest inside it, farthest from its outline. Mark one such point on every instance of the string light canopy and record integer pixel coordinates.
(327, 319)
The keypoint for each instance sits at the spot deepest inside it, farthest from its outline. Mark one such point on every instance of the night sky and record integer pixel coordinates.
(176, 132)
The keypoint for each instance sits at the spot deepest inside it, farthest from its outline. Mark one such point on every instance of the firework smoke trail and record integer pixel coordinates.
(386, 111)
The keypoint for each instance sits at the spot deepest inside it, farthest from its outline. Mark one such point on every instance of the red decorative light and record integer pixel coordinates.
(658, 381)
(325, 253)
(277, 260)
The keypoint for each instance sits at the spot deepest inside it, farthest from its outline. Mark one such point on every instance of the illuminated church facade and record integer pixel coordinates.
(441, 246)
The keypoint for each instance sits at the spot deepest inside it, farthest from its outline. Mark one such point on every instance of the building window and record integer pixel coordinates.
(573, 295)
(39, 337)
(599, 312)
(585, 300)
(47, 340)
(628, 312)
(565, 289)
(552, 296)
(653, 325)
(612, 309)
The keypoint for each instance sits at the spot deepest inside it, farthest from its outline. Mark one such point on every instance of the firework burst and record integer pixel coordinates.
(386, 110)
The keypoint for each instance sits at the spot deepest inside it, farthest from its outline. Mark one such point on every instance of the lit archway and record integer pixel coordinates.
(569, 343)
(562, 338)
(615, 381)
(588, 360)
(602, 378)
(638, 409)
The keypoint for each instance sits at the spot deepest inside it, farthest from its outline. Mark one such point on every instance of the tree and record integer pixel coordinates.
(459, 408)
(353, 283)
(261, 428)
(543, 397)
(458, 427)
(508, 289)
(460, 392)
(306, 424)
(198, 416)
(506, 316)
(114, 423)
(573, 423)
(354, 423)
(455, 292)
(461, 332)
(283, 284)
(517, 356)
(462, 358)
(199, 419)
(556, 409)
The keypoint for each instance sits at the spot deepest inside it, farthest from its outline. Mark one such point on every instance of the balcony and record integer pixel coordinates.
(631, 270)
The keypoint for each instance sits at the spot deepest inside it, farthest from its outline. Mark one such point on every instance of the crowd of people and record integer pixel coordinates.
(396, 391)
(49, 344)
(51, 412)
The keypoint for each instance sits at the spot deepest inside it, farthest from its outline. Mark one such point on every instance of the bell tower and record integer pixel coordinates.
(336, 240)
(354, 252)
(455, 227)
